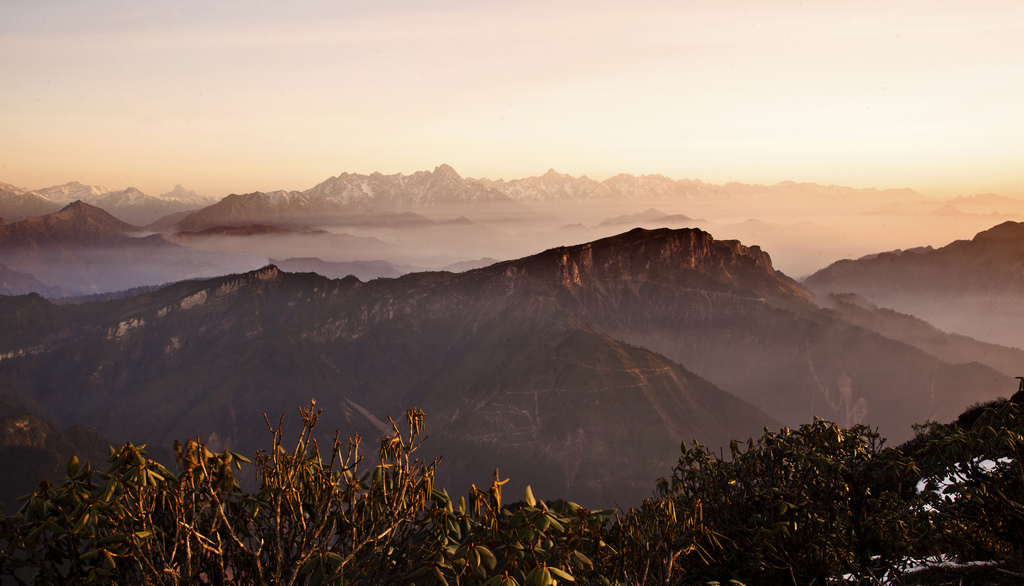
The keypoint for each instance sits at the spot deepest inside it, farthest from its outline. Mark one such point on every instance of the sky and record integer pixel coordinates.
(234, 96)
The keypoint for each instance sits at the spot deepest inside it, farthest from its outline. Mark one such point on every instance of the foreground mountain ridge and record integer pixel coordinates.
(596, 359)
(490, 384)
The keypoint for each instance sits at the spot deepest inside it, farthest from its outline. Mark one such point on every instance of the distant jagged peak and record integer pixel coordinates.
(444, 176)
(552, 174)
(180, 193)
(8, 188)
(446, 170)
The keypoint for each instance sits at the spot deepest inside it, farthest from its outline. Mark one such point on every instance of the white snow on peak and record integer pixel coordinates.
(73, 191)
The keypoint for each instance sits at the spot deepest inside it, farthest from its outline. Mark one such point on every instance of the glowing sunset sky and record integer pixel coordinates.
(232, 96)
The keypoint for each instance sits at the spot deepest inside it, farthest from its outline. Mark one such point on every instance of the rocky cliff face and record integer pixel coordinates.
(641, 255)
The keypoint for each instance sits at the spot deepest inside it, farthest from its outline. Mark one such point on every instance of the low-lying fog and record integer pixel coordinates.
(799, 240)
(798, 245)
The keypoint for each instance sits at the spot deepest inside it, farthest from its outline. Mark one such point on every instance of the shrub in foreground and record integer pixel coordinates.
(817, 505)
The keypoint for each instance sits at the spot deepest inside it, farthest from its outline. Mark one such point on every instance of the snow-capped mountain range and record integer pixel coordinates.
(445, 186)
(355, 193)
(350, 193)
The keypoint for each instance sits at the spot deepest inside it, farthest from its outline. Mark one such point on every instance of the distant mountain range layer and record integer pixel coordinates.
(350, 193)
(970, 286)
(579, 370)
(444, 188)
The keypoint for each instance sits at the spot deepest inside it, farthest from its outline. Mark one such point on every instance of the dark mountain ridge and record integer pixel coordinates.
(591, 362)
(972, 287)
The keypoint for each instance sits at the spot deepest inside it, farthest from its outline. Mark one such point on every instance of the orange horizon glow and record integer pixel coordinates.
(239, 97)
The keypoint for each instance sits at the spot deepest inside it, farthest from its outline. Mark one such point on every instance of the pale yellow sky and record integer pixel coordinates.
(238, 96)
